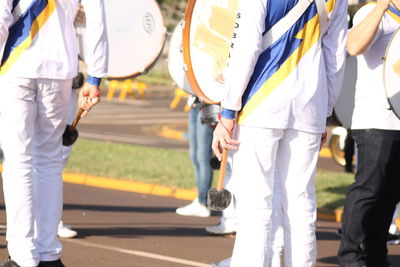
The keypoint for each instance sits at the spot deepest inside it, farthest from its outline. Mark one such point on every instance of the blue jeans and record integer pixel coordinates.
(371, 199)
(200, 138)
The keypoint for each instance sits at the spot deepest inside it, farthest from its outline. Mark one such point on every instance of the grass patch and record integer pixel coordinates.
(331, 188)
(147, 164)
(173, 168)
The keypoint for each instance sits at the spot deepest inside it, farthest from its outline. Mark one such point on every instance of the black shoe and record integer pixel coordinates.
(56, 263)
(393, 239)
(9, 263)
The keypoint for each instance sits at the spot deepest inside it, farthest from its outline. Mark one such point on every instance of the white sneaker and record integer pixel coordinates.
(195, 208)
(65, 231)
(221, 229)
(224, 263)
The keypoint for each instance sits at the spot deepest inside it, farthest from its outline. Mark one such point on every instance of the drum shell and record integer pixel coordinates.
(136, 37)
(176, 66)
(207, 35)
(391, 73)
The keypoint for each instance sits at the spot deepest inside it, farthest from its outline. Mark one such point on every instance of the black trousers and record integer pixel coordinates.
(371, 199)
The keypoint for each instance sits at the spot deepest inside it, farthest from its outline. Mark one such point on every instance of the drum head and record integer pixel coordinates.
(206, 41)
(344, 106)
(176, 66)
(391, 73)
(136, 35)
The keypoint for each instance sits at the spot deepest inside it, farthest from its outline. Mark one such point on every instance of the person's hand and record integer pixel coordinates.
(222, 137)
(79, 15)
(323, 139)
(89, 96)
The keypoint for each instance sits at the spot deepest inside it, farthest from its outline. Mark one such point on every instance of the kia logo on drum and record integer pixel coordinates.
(148, 22)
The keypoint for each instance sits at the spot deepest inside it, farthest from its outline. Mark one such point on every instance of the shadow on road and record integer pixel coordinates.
(134, 232)
(393, 259)
(126, 209)
(119, 208)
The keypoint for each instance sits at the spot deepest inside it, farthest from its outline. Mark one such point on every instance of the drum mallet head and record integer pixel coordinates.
(71, 134)
(219, 198)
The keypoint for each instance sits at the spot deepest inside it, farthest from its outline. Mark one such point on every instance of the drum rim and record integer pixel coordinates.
(154, 60)
(186, 54)
(384, 73)
(170, 65)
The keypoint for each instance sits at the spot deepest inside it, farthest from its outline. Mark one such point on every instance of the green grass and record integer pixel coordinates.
(147, 164)
(173, 168)
(331, 188)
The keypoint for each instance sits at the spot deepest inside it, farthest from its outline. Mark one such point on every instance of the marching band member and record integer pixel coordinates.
(39, 61)
(372, 198)
(283, 95)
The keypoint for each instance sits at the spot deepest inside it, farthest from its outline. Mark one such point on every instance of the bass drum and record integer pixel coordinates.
(176, 66)
(391, 73)
(207, 34)
(344, 106)
(136, 35)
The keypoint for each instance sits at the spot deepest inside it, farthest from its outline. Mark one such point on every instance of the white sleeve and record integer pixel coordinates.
(246, 49)
(96, 36)
(334, 52)
(6, 19)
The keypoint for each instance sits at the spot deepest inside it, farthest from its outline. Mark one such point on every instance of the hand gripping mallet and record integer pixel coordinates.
(71, 133)
(219, 198)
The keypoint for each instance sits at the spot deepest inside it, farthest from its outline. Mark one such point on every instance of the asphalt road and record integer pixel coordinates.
(128, 229)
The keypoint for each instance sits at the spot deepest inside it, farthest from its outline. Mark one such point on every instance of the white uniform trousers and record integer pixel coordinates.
(33, 113)
(295, 154)
(73, 105)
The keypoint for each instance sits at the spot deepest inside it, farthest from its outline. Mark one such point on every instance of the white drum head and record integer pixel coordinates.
(176, 66)
(136, 35)
(391, 73)
(209, 26)
(344, 106)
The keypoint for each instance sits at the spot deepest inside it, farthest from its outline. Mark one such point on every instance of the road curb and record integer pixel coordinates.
(157, 190)
(129, 186)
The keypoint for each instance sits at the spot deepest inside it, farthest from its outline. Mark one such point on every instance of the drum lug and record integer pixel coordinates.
(383, 58)
(185, 67)
(183, 24)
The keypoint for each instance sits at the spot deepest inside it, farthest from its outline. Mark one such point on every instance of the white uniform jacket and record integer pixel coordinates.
(295, 82)
(371, 108)
(54, 55)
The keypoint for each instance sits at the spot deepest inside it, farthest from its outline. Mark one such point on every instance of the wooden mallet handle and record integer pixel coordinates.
(77, 118)
(222, 170)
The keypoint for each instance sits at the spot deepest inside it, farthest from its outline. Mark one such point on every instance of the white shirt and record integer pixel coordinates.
(52, 52)
(294, 83)
(371, 105)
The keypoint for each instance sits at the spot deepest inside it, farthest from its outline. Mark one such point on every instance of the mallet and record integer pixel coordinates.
(219, 198)
(71, 133)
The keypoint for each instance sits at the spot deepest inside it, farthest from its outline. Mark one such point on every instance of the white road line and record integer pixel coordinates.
(138, 253)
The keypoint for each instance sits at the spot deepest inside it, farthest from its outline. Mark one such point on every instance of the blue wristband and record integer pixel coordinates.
(93, 80)
(228, 113)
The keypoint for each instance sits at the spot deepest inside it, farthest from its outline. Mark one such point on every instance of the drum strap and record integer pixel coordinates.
(284, 24)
